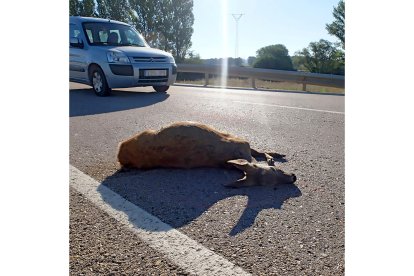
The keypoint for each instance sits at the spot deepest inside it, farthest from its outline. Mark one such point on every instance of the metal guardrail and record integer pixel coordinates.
(265, 74)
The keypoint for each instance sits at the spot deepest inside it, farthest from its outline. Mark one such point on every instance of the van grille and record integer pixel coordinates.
(149, 59)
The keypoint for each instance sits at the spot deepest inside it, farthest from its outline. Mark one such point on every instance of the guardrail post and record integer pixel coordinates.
(206, 78)
(304, 86)
(254, 83)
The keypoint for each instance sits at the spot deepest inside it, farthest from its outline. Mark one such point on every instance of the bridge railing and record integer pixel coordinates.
(304, 78)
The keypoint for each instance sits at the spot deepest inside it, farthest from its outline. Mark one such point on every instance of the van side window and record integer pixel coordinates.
(103, 36)
(118, 36)
(90, 36)
(74, 31)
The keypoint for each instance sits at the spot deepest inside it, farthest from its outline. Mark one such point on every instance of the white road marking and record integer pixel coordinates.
(180, 249)
(293, 107)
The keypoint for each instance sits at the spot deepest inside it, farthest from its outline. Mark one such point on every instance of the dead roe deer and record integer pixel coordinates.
(190, 145)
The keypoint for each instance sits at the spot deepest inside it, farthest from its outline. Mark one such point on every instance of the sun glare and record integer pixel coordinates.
(224, 42)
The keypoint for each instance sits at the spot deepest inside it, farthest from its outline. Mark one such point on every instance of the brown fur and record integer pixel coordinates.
(185, 145)
(259, 174)
(182, 145)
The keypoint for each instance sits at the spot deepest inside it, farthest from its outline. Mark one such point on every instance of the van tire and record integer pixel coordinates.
(161, 88)
(98, 81)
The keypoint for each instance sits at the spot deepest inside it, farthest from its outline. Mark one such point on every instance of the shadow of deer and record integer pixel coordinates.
(162, 183)
(179, 196)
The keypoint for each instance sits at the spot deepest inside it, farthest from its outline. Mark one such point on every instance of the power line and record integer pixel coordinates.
(237, 17)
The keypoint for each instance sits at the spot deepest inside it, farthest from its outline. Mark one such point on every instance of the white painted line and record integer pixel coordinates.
(180, 249)
(293, 107)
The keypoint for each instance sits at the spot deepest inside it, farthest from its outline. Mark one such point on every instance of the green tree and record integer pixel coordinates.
(115, 9)
(337, 27)
(298, 62)
(323, 57)
(147, 18)
(88, 8)
(74, 7)
(82, 7)
(273, 57)
(251, 60)
(166, 24)
(102, 9)
(176, 27)
(193, 58)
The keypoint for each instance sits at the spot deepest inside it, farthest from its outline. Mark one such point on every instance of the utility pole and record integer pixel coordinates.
(237, 17)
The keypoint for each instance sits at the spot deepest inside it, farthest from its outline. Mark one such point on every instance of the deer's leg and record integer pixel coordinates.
(256, 153)
(269, 156)
(243, 182)
(269, 159)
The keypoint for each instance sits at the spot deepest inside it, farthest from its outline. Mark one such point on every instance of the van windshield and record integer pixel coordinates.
(112, 34)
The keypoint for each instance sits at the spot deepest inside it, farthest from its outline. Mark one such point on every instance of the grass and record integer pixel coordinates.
(265, 85)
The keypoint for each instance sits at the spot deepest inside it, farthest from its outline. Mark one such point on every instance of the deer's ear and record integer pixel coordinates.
(238, 162)
(241, 164)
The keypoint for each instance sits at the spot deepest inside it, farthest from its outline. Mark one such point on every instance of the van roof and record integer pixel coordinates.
(81, 19)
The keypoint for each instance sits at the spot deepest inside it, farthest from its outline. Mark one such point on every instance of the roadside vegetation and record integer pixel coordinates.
(168, 25)
(323, 56)
(263, 85)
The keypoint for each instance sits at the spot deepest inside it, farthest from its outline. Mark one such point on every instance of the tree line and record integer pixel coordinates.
(168, 25)
(165, 24)
(320, 56)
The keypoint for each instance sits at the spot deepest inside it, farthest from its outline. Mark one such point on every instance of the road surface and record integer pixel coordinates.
(295, 230)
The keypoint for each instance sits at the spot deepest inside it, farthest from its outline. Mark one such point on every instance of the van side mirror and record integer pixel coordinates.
(76, 42)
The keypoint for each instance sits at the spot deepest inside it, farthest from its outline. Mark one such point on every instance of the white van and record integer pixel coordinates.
(110, 54)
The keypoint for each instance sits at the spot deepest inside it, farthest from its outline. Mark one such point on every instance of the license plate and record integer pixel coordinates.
(155, 73)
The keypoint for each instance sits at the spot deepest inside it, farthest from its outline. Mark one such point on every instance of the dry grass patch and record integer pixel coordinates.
(265, 84)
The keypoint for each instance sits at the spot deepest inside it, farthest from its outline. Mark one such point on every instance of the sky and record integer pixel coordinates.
(264, 22)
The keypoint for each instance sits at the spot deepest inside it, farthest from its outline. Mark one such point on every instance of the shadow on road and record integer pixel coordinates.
(85, 102)
(178, 196)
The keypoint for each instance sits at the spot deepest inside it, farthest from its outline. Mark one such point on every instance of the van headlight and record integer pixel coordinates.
(118, 57)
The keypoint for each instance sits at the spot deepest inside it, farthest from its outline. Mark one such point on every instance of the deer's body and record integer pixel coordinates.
(182, 145)
(185, 145)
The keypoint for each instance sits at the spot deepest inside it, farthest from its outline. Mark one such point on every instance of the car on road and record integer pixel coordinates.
(110, 54)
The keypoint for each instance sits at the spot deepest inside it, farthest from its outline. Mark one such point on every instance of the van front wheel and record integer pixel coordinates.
(98, 81)
(161, 88)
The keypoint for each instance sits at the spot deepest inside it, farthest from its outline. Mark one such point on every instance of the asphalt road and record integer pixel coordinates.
(294, 230)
